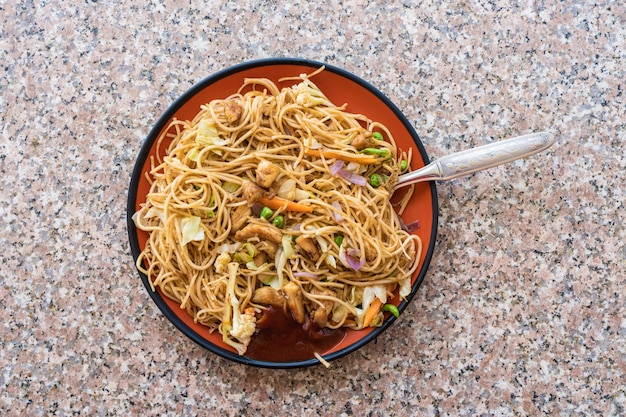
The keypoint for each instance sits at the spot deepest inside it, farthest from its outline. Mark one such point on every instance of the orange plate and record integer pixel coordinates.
(340, 87)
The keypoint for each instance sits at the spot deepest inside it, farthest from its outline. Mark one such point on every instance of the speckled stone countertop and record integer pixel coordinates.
(523, 310)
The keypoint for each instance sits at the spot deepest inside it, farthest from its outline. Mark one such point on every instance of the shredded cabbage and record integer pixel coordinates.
(226, 248)
(192, 230)
(323, 244)
(151, 213)
(237, 328)
(311, 143)
(254, 267)
(231, 187)
(287, 190)
(309, 95)
(371, 291)
(288, 250)
(281, 261)
(302, 195)
(405, 287)
(339, 312)
(207, 136)
(194, 155)
(154, 212)
(272, 281)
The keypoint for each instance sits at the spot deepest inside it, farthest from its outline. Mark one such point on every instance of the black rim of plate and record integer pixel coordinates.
(137, 174)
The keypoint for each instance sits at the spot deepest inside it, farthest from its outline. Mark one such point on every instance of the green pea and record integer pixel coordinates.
(377, 135)
(375, 180)
(338, 240)
(279, 221)
(266, 213)
(404, 164)
(392, 309)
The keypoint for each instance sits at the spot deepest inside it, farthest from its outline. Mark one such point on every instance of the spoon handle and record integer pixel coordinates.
(479, 158)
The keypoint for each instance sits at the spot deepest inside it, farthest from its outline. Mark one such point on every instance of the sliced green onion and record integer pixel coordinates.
(383, 153)
(377, 135)
(266, 213)
(338, 240)
(249, 247)
(392, 309)
(246, 254)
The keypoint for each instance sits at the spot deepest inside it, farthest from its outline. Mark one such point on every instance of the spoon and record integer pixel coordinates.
(479, 158)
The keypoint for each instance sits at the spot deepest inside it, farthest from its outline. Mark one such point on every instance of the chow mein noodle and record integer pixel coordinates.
(277, 197)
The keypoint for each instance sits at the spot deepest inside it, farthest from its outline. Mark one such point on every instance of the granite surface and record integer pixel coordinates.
(523, 310)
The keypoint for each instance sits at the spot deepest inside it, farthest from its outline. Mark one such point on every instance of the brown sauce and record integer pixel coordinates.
(282, 339)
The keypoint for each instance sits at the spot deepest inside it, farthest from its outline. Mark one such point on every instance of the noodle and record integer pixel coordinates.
(331, 242)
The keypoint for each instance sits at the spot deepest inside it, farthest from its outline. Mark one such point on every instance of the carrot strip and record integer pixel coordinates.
(276, 202)
(372, 311)
(348, 157)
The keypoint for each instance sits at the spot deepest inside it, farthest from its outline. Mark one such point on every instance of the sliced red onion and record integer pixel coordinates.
(304, 274)
(338, 217)
(411, 227)
(355, 263)
(336, 167)
(355, 179)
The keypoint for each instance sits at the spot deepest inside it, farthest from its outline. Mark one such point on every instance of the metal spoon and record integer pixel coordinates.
(479, 158)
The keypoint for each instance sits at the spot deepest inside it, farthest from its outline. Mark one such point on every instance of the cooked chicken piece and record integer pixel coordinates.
(260, 258)
(251, 192)
(266, 173)
(267, 247)
(363, 140)
(294, 301)
(262, 231)
(320, 315)
(309, 246)
(239, 217)
(232, 111)
(268, 296)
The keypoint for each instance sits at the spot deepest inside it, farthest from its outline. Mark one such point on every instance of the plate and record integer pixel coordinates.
(340, 87)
